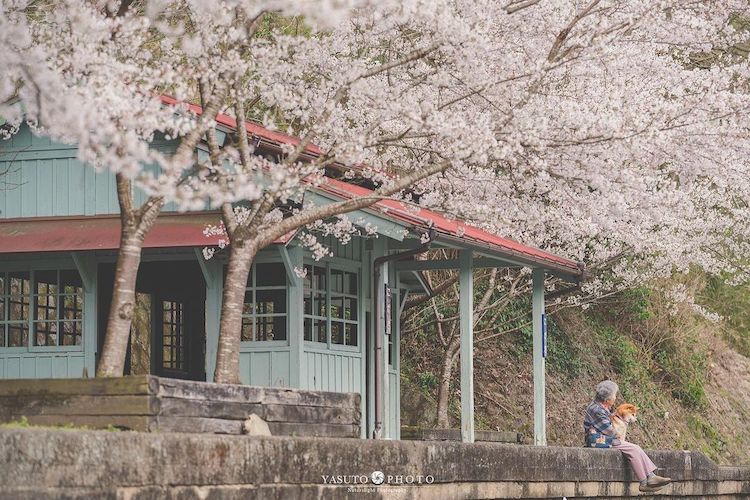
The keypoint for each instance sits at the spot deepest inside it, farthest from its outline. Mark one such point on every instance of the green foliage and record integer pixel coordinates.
(564, 354)
(427, 381)
(733, 303)
(22, 423)
(638, 299)
(685, 371)
(624, 356)
(713, 442)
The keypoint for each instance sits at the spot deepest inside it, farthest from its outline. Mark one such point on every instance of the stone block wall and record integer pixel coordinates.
(39, 463)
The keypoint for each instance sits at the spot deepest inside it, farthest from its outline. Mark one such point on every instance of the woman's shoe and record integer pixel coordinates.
(654, 483)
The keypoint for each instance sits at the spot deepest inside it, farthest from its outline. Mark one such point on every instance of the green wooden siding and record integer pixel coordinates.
(45, 179)
(268, 368)
(41, 365)
(328, 370)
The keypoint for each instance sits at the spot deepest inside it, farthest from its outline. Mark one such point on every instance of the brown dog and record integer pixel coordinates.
(624, 415)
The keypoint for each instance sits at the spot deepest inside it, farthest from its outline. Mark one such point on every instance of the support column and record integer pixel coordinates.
(539, 322)
(466, 323)
(293, 257)
(87, 269)
(213, 274)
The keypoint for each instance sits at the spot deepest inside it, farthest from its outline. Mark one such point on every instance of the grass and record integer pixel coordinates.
(23, 423)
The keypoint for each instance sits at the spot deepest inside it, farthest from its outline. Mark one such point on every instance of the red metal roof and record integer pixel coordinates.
(57, 234)
(419, 217)
(252, 128)
(425, 219)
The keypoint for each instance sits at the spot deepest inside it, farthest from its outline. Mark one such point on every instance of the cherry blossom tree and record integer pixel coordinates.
(579, 126)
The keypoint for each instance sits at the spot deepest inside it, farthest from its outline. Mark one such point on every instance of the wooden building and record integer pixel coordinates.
(59, 231)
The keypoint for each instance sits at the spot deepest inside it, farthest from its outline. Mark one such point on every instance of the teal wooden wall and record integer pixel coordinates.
(42, 365)
(43, 178)
(54, 361)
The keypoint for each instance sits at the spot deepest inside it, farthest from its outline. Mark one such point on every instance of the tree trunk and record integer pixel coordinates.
(112, 359)
(444, 386)
(135, 226)
(241, 256)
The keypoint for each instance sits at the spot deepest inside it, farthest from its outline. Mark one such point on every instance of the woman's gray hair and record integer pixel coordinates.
(606, 390)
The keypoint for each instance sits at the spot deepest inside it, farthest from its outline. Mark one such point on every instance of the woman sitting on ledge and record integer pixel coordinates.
(600, 433)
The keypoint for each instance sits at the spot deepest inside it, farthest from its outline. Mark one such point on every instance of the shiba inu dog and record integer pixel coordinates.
(624, 415)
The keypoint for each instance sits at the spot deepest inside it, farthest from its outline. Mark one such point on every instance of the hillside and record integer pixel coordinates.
(690, 377)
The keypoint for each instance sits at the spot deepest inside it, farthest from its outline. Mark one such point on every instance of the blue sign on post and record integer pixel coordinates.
(544, 335)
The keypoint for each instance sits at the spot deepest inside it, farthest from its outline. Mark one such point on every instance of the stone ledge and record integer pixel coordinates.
(146, 465)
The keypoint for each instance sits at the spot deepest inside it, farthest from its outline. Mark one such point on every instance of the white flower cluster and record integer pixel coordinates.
(615, 135)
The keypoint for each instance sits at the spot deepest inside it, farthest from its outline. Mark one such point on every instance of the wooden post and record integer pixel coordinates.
(297, 366)
(214, 277)
(87, 269)
(466, 319)
(540, 352)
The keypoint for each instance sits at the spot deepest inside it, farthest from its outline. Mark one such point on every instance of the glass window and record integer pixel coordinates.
(173, 335)
(264, 313)
(16, 309)
(330, 305)
(50, 302)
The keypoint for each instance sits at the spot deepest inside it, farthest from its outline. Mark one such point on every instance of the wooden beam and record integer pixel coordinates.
(539, 322)
(431, 265)
(291, 277)
(466, 321)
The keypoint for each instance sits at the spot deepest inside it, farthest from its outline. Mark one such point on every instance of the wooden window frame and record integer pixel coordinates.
(329, 294)
(251, 318)
(30, 301)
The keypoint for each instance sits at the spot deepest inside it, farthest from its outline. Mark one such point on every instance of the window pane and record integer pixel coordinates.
(19, 283)
(247, 329)
(350, 283)
(270, 274)
(337, 280)
(2, 335)
(337, 333)
(350, 309)
(350, 334)
(45, 333)
(2, 310)
(72, 306)
(320, 305)
(270, 328)
(18, 335)
(46, 306)
(308, 329)
(308, 302)
(307, 281)
(173, 331)
(71, 332)
(70, 282)
(270, 301)
(2, 284)
(45, 282)
(247, 307)
(319, 278)
(319, 331)
(337, 307)
(18, 308)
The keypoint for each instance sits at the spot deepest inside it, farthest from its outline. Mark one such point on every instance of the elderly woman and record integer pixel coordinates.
(600, 433)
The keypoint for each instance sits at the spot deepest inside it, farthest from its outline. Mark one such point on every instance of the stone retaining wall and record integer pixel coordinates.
(39, 463)
(157, 404)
